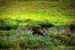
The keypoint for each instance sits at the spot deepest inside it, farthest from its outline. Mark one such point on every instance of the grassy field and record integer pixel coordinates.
(53, 11)
(29, 13)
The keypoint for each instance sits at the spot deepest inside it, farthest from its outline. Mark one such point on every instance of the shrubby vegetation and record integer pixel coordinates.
(18, 15)
(8, 24)
(27, 40)
(18, 39)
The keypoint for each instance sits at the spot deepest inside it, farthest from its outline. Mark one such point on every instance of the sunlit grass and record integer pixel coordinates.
(36, 11)
(56, 19)
(18, 13)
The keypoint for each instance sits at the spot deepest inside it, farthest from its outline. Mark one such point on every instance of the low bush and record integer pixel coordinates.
(8, 42)
(67, 40)
(37, 41)
(8, 24)
(40, 24)
(71, 42)
(8, 33)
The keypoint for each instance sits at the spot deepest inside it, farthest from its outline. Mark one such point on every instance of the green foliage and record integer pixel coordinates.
(33, 13)
(30, 41)
(8, 24)
(44, 23)
(66, 39)
(8, 42)
(71, 42)
(7, 33)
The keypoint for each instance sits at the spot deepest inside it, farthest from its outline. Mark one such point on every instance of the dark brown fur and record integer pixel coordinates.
(37, 31)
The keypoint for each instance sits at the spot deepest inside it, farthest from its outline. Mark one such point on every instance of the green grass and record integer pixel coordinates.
(36, 11)
(26, 13)
(28, 41)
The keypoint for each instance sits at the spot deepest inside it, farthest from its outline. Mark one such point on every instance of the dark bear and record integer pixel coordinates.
(72, 28)
(37, 31)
